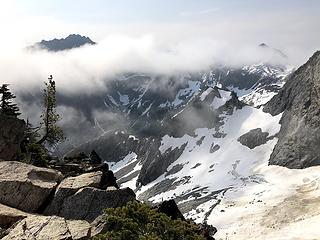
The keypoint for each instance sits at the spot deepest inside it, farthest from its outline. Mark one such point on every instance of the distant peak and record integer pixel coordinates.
(263, 45)
(70, 42)
(276, 51)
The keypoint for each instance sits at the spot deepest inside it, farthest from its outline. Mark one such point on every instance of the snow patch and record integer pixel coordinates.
(116, 166)
(218, 102)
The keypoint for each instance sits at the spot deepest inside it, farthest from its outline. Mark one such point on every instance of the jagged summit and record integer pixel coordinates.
(70, 42)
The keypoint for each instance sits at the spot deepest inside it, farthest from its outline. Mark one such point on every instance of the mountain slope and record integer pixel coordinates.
(175, 164)
(299, 100)
(212, 154)
(148, 100)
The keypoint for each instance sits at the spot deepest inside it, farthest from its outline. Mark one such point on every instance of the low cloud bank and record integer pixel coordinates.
(86, 70)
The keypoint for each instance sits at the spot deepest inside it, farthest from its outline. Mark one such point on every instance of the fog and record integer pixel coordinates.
(194, 42)
(85, 70)
(81, 74)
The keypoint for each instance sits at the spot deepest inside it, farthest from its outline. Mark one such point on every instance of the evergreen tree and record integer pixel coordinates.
(53, 134)
(139, 221)
(7, 107)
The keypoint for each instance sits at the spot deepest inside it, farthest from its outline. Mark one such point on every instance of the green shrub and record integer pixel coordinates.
(36, 155)
(138, 221)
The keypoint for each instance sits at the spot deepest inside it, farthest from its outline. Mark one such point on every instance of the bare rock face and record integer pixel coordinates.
(69, 187)
(11, 135)
(156, 163)
(171, 209)
(9, 216)
(16, 224)
(88, 203)
(26, 187)
(253, 138)
(79, 198)
(299, 100)
(49, 227)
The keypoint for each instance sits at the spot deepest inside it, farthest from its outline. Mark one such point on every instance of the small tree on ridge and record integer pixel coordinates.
(7, 107)
(53, 134)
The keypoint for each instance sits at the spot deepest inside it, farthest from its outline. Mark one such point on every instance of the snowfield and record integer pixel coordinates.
(249, 199)
(218, 180)
(283, 207)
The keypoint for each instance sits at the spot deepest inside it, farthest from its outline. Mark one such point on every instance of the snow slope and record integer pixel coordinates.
(230, 166)
(283, 207)
(224, 183)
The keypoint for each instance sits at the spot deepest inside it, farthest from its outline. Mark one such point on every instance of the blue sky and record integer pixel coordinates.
(128, 11)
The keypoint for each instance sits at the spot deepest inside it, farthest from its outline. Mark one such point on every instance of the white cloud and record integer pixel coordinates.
(164, 48)
(86, 69)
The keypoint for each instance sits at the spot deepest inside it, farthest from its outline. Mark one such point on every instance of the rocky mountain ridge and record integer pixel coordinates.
(70, 42)
(299, 136)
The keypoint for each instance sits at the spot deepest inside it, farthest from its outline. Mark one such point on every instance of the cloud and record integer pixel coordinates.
(87, 69)
(190, 43)
(184, 45)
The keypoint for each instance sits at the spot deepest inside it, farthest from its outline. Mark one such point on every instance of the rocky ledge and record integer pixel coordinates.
(39, 203)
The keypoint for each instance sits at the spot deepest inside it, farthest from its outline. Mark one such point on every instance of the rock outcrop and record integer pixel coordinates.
(299, 100)
(74, 211)
(11, 135)
(72, 207)
(9, 216)
(88, 203)
(69, 187)
(254, 138)
(49, 227)
(26, 187)
(171, 209)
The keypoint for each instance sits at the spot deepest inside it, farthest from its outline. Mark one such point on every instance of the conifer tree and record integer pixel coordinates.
(7, 107)
(53, 134)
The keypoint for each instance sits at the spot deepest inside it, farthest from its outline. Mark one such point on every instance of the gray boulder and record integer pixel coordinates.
(26, 187)
(49, 227)
(88, 203)
(253, 138)
(9, 216)
(70, 186)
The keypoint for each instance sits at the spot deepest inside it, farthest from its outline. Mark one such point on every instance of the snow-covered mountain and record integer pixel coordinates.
(192, 139)
(148, 100)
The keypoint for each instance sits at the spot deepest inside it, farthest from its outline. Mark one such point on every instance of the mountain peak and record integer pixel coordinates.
(70, 42)
(263, 45)
(274, 50)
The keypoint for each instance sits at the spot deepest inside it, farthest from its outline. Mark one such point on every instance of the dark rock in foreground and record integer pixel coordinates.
(88, 203)
(11, 135)
(171, 209)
